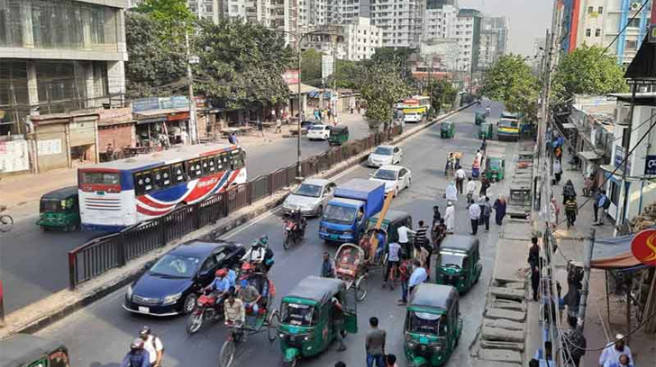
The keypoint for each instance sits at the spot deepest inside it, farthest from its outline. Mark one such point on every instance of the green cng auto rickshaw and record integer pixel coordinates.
(306, 325)
(391, 223)
(432, 325)
(458, 262)
(59, 209)
(338, 135)
(22, 350)
(447, 130)
(495, 168)
(486, 131)
(479, 118)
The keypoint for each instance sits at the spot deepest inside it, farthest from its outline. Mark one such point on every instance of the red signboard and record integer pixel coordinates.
(177, 116)
(643, 247)
(411, 102)
(291, 76)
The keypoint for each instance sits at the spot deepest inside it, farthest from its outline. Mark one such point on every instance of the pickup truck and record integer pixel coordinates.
(344, 218)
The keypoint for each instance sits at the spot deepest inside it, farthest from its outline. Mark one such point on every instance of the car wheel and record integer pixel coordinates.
(189, 304)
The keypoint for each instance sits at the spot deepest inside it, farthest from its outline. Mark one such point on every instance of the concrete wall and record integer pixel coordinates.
(14, 156)
(119, 136)
(52, 147)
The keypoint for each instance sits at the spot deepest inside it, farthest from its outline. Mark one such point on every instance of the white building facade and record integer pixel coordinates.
(439, 22)
(361, 39)
(468, 35)
(400, 21)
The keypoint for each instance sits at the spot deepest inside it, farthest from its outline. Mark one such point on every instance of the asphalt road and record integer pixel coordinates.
(99, 335)
(33, 263)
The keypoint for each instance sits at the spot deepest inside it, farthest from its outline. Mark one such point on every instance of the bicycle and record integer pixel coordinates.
(239, 332)
(6, 221)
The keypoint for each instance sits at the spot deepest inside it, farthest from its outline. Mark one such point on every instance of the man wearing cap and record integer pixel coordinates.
(137, 356)
(153, 345)
(611, 354)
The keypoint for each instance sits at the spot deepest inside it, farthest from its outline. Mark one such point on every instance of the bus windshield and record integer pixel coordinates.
(101, 178)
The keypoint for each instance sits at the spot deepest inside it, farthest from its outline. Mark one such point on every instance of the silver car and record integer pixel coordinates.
(310, 197)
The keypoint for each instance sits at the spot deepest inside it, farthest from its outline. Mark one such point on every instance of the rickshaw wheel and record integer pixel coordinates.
(361, 288)
(272, 325)
(227, 355)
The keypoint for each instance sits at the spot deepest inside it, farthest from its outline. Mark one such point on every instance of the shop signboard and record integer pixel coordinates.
(643, 247)
(619, 159)
(650, 165)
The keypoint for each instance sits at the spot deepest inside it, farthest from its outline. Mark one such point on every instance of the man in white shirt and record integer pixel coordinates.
(471, 188)
(475, 216)
(613, 351)
(404, 242)
(460, 179)
(153, 345)
(393, 261)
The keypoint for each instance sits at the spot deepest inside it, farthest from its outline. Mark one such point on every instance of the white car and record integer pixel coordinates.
(319, 132)
(395, 178)
(311, 196)
(385, 155)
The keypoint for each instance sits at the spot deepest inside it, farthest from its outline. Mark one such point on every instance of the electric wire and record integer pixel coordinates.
(625, 26)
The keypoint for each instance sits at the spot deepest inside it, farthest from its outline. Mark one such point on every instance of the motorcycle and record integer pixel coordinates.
(294, 233)
(209, 307)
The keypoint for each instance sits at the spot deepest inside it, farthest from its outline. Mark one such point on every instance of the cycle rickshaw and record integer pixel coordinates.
(350, 268)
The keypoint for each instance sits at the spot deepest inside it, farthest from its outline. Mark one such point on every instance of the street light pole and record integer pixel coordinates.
(193, 129)
(301, 113)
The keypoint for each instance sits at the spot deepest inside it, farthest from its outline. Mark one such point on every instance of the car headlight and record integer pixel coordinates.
(348, 233)
(129, 292)
(322, 228)
(436, 347)
(169, 300)
(307, 337)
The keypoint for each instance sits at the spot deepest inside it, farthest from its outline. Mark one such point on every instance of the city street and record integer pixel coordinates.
(34, 263)
(99, 335)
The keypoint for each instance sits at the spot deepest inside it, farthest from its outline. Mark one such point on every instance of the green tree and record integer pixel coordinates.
(381, 87)
(443, 94)
(311, 67)
(241, 64)
(510, 81)
(171, 12)
(587, 70)
(156, 63)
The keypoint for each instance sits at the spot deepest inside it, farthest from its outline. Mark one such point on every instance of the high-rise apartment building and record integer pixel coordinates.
(400, 21)
(362, 39)
(468, 30)
(598, 22)
(493, 41)
(439, 22)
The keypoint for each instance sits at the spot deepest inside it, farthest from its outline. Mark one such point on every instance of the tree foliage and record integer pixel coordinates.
(241, 64)
(443, 94)
(587, 70)
(156, 63)
(381, 86)
(311, 67)
(510, 80)
(170, 12)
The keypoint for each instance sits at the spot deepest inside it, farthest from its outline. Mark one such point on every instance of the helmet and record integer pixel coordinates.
(264, 240)
(137, 344)
(221, 273)
(145, 331)
(246, 267)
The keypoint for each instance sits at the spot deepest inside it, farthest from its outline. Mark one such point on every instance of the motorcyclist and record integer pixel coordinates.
(220, 285)
(298, 219)
(487, 111)
(260, 253)
(137, 356)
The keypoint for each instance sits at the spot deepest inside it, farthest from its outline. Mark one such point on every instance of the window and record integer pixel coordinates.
(600, 10)
(193, 169)
(208, 265)
(614, 192)
(222, 161)
(587, 32)
(590, 9)
(238, 159)
(143, 182)
(178, 172)
(162, 177)
(635, 23)
(597, 32)
(631, 45)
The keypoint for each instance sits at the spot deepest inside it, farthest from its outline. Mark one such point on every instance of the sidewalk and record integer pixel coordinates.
(24, 191)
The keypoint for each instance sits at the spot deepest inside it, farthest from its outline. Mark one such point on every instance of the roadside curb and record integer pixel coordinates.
(60, 304)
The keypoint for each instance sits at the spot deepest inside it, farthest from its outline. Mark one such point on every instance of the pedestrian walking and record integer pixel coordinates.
(393, 260)
(534, 253)
(471, 188)
(327, 267)
(613, 351)
(417, 276)
(450, 217)
(474, 216)
(137, 356)
(574, 343)
(572, 300)
(317, 115)
(460, 179)
(338, 323)
(588, 186)
(375, 344)
(486, 212)
(554, 212)
(153, 345)
(571, 209)
(601, 202)
(403, 232)
(451, 192)
(557, 170)
(420, 237)
(499, 209)
(260, 126)
(438, 232)
(404, 277)
(278, 125)
(485, 184)
(568, 191)
(436, 214)
(535, 282)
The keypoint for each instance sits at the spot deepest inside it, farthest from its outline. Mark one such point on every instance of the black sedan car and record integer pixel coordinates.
(170, 286)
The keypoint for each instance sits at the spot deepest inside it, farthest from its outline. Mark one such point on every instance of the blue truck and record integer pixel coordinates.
(346, 215)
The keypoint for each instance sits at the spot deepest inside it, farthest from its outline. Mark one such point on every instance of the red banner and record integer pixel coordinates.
(643, 247)
(291, 76)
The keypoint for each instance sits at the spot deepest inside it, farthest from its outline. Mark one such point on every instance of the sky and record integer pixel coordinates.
(529, 19)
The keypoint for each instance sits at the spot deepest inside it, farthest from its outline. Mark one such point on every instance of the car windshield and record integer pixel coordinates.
(103, 178)
(317, 127)
(52, 205)
(427, 323)
(308, 190)
(508, 123)
(339, 214)
(383, 151)
(297, 314)
(178, 266)
(385, 174)
(448, 258)
(495, 163)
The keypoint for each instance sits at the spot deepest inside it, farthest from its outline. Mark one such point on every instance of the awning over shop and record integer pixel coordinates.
(569, 125)
(614, 253)
(305, 89)
(589, 155)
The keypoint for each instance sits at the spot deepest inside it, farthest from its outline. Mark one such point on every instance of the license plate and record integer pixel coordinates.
(144, 309)
(334, 236)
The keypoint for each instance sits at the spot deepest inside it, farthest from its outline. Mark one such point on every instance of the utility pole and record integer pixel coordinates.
(301, 113)
(589, 246)
(333, 95)
(193, 127)
(626, 146)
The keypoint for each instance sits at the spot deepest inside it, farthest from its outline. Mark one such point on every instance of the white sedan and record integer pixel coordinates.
(319, 132)
(385, 154)
(395, 178)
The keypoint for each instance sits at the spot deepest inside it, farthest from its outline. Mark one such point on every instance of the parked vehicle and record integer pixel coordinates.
(59, 209)
(306, 328)
(385, 155)
(208, 308)
(319, 132)
(508, 126)
(346, 215)
(21, 350)
(338, 135)
(486, 131)
(458, 262)
(171, 285)
(432, 325)
(311, 196)
(391, 223)
(447, 130)
(395, 178)
(495, 168)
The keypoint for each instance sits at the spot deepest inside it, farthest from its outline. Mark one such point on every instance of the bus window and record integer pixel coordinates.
(222, 161)
(238, 159)
(162, 177)
(193, 169)
(178, 172)
(143, 182)
(208, 165)
(211, 161)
